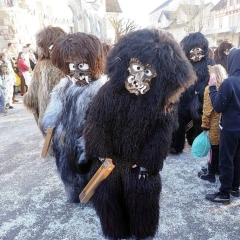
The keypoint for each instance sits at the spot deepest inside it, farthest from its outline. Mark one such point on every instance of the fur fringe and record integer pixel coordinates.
(137, 130)
(191, 101)
(66, 112)
(45, 77)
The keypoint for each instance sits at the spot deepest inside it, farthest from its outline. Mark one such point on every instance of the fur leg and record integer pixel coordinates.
(178, 137)
(193, 132)
(109, 203)
(72, 193)
(142, 196)
(73, 182)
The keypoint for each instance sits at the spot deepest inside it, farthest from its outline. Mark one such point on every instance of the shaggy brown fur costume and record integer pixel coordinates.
(211, 53)
(221, 53)
(131, 120)
(106, 48)
(45, 74)
(80, 57)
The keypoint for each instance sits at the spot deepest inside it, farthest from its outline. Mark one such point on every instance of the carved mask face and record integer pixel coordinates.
(196, 54)
(80, 72)
(140, 76)
(226, 52)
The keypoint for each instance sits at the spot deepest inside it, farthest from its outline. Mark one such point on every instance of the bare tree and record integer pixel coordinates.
(191, 16)
(121, 26)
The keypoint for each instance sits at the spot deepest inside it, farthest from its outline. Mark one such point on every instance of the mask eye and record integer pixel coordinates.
(71, 67)
(148, 73)
(136, 67)
(83, 66)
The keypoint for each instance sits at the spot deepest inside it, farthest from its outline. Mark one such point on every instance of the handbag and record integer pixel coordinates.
(201, 145)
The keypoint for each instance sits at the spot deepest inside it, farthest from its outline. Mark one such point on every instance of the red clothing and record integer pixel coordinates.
(22, 66)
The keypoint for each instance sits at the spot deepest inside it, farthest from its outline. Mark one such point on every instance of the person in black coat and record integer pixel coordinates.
(131, 120)
(226, 100)
(190, 107)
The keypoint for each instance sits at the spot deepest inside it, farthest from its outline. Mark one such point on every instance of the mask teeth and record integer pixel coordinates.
(86, 78)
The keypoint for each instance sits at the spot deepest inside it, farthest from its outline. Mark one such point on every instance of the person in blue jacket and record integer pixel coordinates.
(227, 101)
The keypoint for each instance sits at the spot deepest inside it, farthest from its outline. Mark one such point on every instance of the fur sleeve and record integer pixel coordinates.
(55, 106)
(97, 129)
(157, 147)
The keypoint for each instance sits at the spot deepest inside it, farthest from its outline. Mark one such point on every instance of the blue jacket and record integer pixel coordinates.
(227, 99)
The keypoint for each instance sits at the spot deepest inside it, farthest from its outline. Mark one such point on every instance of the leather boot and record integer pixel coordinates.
(210, 174)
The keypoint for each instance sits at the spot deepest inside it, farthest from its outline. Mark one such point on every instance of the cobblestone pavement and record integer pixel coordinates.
(33, 203)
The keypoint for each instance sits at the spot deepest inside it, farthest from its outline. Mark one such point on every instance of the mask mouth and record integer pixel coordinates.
(136, 87)
(196, 58)
(82, 80)
(196, 54)
(226, 52)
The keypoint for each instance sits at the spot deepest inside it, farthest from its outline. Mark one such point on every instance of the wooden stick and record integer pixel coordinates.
(47, 142)
(101, 174)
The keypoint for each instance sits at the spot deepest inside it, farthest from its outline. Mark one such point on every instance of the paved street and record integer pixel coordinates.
(33, 203)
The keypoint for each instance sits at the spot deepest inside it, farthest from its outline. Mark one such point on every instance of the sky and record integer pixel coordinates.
(138, 10)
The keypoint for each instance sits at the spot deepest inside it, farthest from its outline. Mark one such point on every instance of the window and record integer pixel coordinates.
(231, 2)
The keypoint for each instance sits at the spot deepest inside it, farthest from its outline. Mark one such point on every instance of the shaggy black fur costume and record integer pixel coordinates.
(221, 53)
(80, 55)
(191, 101)
(135, 129)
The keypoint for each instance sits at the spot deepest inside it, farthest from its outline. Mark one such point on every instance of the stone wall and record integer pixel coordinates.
(17, 26)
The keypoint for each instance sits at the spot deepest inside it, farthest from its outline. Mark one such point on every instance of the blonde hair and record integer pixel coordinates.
(219, 71)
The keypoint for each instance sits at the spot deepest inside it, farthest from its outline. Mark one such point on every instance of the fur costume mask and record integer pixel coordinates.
(81, 57)
(139, 79)
(154, 79)
(224, 48)
(196, 54)
(45, 39)
(195, 46)
(80, 73)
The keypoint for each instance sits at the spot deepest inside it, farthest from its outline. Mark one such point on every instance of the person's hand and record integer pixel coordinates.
(206, 132)
(212, 80)
(143, 172)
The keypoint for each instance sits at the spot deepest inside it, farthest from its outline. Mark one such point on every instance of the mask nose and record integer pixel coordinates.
(139, 77)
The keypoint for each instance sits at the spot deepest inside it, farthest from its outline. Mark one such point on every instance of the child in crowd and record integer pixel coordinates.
(2, 99)
(7, 79)
(210, 124)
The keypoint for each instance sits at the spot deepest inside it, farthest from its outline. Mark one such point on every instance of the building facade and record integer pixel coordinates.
(226, 23)
(21, 19)
(220, 21)
(169, 5)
